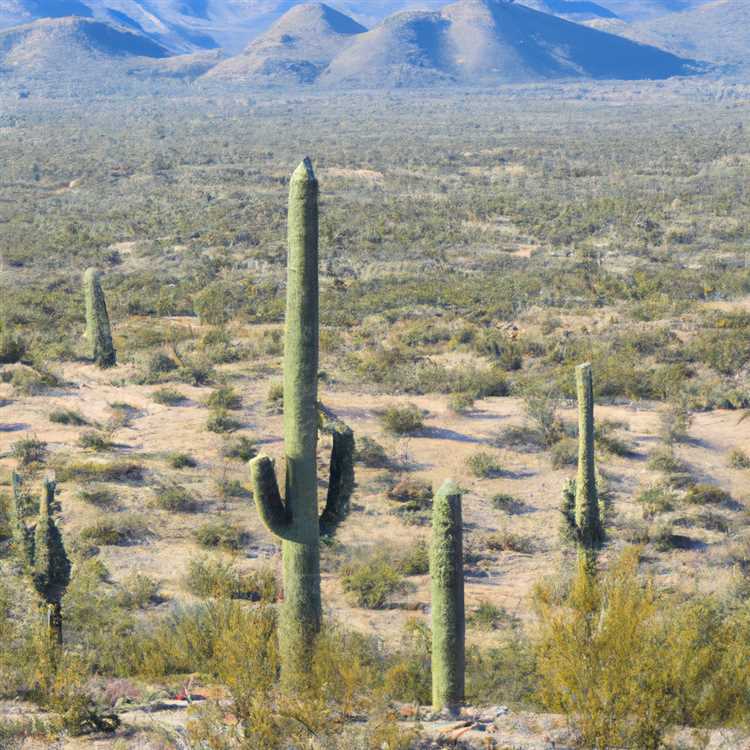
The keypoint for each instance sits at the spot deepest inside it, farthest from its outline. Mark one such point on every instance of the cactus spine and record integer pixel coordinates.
(448, 616)
(589, 531)
(295, 520)
(98, 332)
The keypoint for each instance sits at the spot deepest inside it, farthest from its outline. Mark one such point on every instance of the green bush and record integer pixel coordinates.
(221, 423)
(221, 534)
(175, 498)
(181, 461)
(168, 397)
(370, 453)
(484, 465)
(415, 561)
(488, 616)
(506, 503)
(101, 497)
(68, 416)
(738, 459)
(224, 398)
(460, 403)
(94, 441)
(564, 453)
(215, 579)
(371, 582)
(402, 420)
(110, 471)
(241, 448)
(29, 451)
(138, 592)
(706, 494)
(416, 493)
(508, 541)
(118, 529)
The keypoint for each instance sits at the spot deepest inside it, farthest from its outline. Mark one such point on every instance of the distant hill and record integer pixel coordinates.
(296, 49)
(492, 41)
(189, 25)
(718, 31)
(56, 47)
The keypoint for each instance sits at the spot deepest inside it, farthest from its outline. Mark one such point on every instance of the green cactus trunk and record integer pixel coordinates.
(590, 533)
(295, 520)
(98, 332)
(448, 616)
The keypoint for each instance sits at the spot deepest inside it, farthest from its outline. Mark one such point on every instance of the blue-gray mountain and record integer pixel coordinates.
(188, 25)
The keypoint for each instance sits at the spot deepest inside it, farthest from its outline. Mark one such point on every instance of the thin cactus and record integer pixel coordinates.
(51, 567)
(98, 332)
(448, 615)
(586, 522)
(23, 538)
(295, 519)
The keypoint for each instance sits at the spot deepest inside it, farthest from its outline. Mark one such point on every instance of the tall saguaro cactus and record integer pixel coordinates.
(584, 514)
(98, 332)
(295, 519)
(448, 615)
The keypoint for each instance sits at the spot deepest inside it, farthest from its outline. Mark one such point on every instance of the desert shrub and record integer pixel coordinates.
(564, 453)
(738, 459)
(402, 420)
(241, 448)
(675, 420)
(168, 397)
(508, 541)
(224, 398)
(101, 497)
(505, 674)
(94, 441)
(175, 498)
(30, 382)
(221, 422)
(275, 398)
(665, 461)
(484, 465)
(656, 499)
(653, 660)
(416, 493)
(158, 365)
(118, 529)
(218, 347)
(409, 672)
(227, 488)
(371, 453)
(181, 461)
(29, 451)
(371, 582)
(12, 348)
(706, 494)
(207, 578)
(68, 416)
(608, 439)
(459, 403)
(138, 592)
(506, 503)
(220, 534)
(541, 406)
(109, 471)
(488, 616)
(195, 371)
(414, 561)
(714, 521)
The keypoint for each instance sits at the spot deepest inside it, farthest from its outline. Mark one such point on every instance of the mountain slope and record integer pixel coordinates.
(69, 47)
(492, 41)
(296, 48)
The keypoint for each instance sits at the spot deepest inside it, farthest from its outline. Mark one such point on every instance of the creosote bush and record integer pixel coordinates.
(402, 420)
(370, 582)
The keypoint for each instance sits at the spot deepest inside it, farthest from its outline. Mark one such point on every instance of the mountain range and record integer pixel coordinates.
(469, 42)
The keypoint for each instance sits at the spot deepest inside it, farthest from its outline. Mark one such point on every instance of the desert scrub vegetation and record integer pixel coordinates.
(402, 420)
(214, 578)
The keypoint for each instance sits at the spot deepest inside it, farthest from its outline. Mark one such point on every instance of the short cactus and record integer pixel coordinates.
(295, 519)
(581, 507)
(98, 332)
(448, 615)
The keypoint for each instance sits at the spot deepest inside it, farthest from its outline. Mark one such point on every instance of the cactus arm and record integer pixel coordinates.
(268, 500)
(341, 472)
(448, 613)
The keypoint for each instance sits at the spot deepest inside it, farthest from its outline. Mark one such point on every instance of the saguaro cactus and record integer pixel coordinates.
(448, 616)
(295, 519)
(51, 569)
(98, 332)
(41, 552)
(584, 515)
